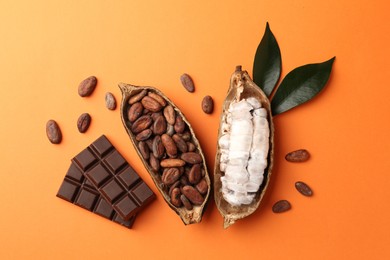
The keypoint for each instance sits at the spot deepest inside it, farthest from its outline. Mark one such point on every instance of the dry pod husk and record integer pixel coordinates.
(242, 87)
(167, 159)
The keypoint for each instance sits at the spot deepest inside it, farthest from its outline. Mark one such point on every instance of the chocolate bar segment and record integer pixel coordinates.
(113, 178)
(78, 190)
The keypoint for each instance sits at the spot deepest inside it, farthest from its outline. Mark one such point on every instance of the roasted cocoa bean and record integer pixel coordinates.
(208, 104)
(170, 146)
(159, 125)
(137, 97)
(180, 143)
(135, 111)
(303, 188)
(301, 155)
(191, 157)
(191, 147)
(195, 174)
(186, 136)
(143, 135)
(154, 163)
(187, 204)
(175, 197)
(151, 104)
(144, 150)
(158, 147)
(171, 162)
(170, 114)
(141, 124)
(158, 98)
(83, 122)
(110, 101)
(187, 82)
(170, 130)
(175, 185)
(87, 86)
(202, 186)
(53, 132)
(193, 195)
(149, 143)
(170, 176)
(179, 125)
(281, 206)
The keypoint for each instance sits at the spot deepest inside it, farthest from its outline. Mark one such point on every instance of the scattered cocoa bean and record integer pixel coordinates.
(53, 132)
(208, 104)
(83, 122)
(87, 86)
(300, 155)
(110, 101)
(303, 188)
(281, 206)
(187, 82)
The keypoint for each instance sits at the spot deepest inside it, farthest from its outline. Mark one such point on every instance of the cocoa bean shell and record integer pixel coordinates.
(233, 213)
(187, 216)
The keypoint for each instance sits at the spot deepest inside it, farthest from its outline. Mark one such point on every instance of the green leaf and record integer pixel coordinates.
(268, 63)
(301, 85)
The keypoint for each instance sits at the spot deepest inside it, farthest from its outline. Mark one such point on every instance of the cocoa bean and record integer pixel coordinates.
(202, 186)
(141, 124)
(151, 104)
(149, 143)
(175, 197)
(303, 188)
(154, 163)
(83, 122)
(184, 180)
(135, 111)
(53, 132)
(158, 147)
(143, 135)
(110, 101)
(281, 206)
(175, 185)
(179, 125)
(170, 146)
(187, 204)
(186, 136)
(137, 97)
(194, 175)
(170, 130)
(170, 114)
(180, 143)
(158, 98)
(170, 176)
(171, 162)
(159, 125)
(301, 155)
(187, 82)
(193, 195)
(191, 157)
(191, 147)
(144, 150)
(208, 105)
(155, 115)
(87, 86)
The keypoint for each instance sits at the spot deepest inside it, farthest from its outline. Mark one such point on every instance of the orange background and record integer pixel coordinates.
(48, 47)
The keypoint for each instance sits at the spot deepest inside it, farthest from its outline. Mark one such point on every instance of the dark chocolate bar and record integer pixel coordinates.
(78, 190)
(114, 178)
